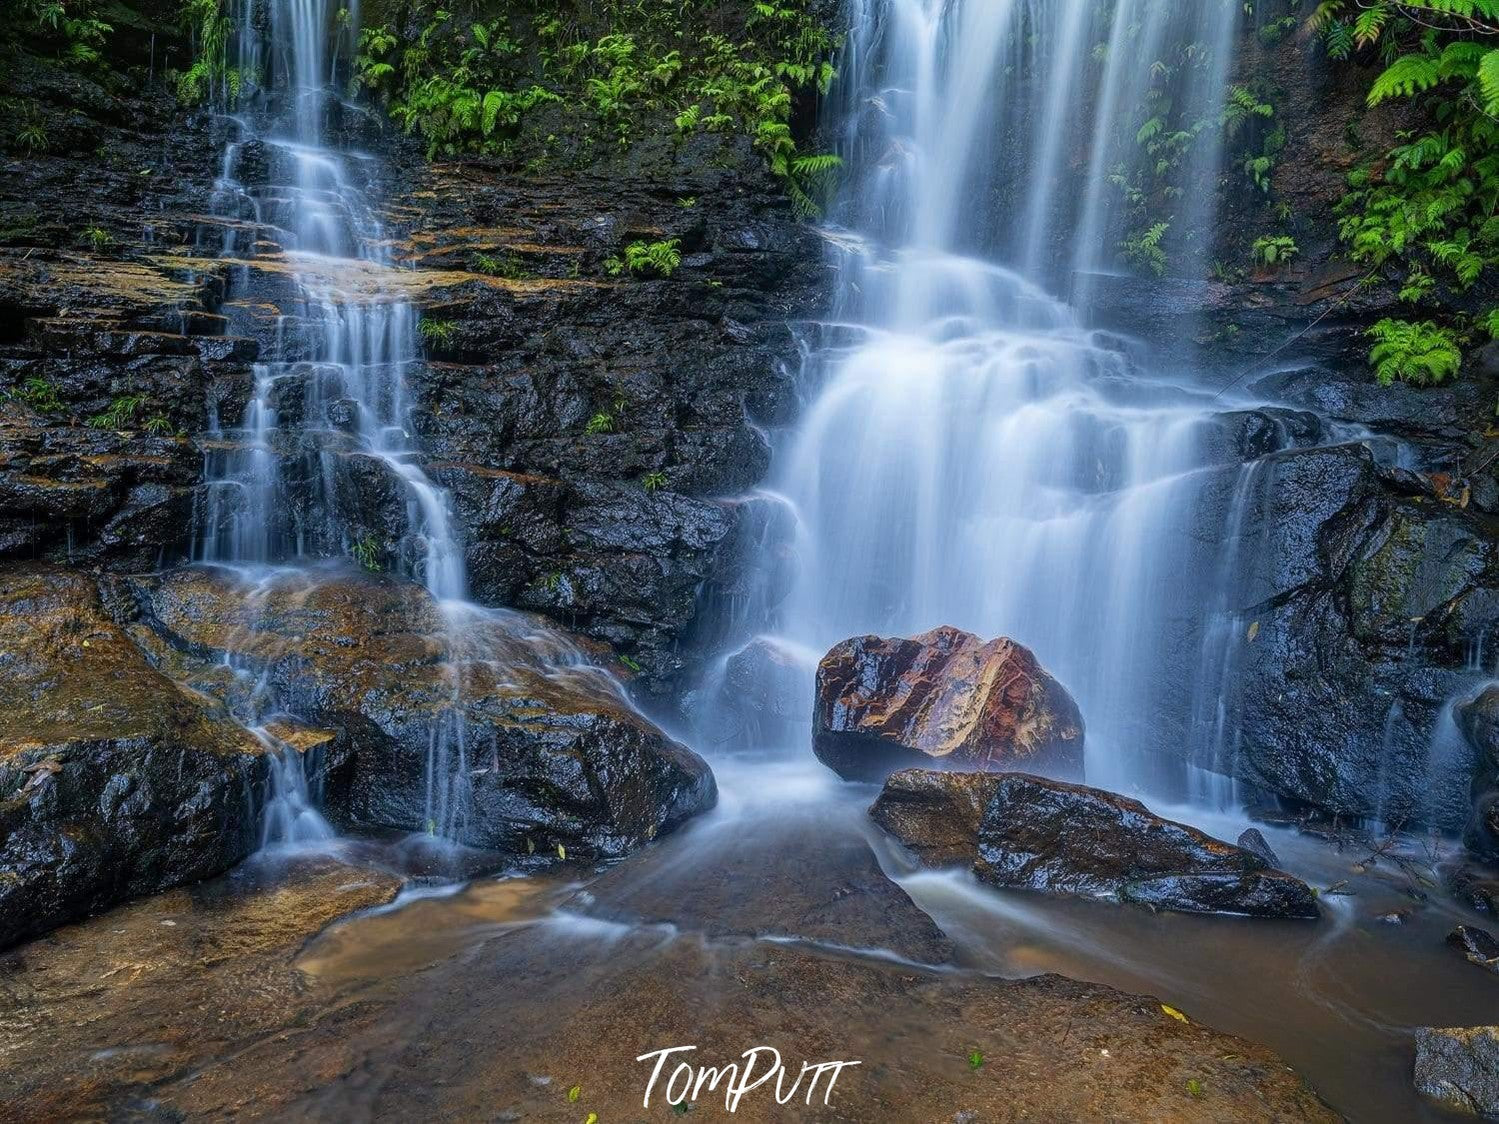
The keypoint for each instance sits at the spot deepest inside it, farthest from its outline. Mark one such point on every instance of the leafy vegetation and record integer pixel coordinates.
(1155, 180)
(207, 25)
(653, 481)
(1143, 250)
(1413, 352)
(660, 258)
(438, 333)
(601, 422)
(367, 553)
(71, 30)
(469, 85)
(121, 414)
(40, 394)
(1425, 212)
(509, 266)
(1275, 249)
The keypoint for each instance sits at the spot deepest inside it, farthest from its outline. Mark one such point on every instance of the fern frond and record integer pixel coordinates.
(1406, 76)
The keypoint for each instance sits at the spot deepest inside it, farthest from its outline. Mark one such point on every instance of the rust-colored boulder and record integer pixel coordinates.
(944, 698)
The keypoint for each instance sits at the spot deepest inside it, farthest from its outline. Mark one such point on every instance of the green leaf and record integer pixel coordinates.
(1488, 82)
(1406, 76)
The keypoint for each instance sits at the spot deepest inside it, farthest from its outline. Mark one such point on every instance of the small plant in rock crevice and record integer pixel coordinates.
(1274, 250)
(97, 239)
(366, 552)
(660, 258)
(40, 394)
(121, 414)
(438, 333)
(601, 422)
(510, 267)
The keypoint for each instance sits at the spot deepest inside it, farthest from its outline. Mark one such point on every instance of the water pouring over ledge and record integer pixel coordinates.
(328, 425)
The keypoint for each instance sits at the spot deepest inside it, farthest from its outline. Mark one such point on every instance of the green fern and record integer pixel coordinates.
(1420, 353)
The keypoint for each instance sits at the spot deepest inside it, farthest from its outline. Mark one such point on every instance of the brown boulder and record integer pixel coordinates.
(942, 698)
(1028, 833)
(114, 781)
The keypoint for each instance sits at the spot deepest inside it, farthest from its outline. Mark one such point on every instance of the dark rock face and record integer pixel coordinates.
(946, 696)
(1459, 1068)
(537, 751)
(1478, 719)
(1366, 605)
(1252, 840)
(114, 781)
(1029, 833)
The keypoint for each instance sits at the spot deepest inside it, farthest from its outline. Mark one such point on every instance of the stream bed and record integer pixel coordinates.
(333, 984)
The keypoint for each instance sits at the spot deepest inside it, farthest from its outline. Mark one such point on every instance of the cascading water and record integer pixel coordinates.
(330, 400)
(340, 355)
(973, 453)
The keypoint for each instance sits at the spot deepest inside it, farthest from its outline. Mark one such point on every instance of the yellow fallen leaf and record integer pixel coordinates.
(1254, 630)
(593, 1118)
(574, 1093)
(1174, 1013)
(561, 851)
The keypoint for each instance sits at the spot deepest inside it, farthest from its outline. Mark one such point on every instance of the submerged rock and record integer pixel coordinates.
(1029, 833)
(485, 727)
(1478, 945)
(1459, 1067)
(114, 781)
(942, 697)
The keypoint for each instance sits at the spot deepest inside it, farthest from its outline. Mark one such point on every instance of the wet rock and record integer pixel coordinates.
(1474, 886)
(1029, 833)
(943, 696)
(1252, 840)
(763, 695)
(540, 1003)
(1478, 945)
(1368, 605)
(1478, 719)
(114, 782)
(535, 751)
(1458, 1067)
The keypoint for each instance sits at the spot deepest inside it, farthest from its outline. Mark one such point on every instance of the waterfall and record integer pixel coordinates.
(340, 356)
(330, 400)
(973, 453)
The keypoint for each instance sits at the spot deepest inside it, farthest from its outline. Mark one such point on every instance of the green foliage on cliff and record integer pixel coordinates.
(207, 26)
(72, 30)
(1413, 352)
(1155, 180)
(469, 78)
(1425, 212)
